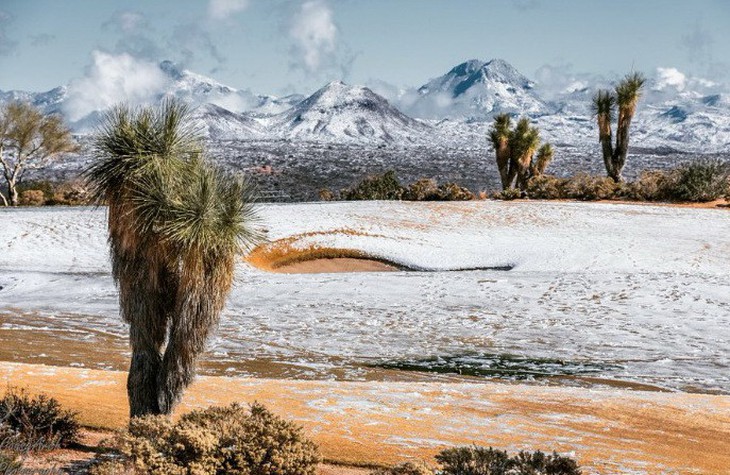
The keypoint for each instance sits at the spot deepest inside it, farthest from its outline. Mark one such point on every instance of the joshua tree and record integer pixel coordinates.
(626, 95)
(524, 140)
(515, 150)
(176, 226)
(499, 136)
(28, 139)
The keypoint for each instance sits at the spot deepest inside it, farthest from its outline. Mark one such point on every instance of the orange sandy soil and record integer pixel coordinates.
(609, 431)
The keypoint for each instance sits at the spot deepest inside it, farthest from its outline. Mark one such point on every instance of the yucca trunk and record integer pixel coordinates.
(205, 282)
(503, 161)
(618, 158)
(605, 136)
(523, 168)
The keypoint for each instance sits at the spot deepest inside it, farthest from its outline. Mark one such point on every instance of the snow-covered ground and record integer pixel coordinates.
(637, 293)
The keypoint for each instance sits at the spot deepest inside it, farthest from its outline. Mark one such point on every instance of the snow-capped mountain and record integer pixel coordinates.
(339, 112)
(475, 89)
(454, 109)
(215, 122)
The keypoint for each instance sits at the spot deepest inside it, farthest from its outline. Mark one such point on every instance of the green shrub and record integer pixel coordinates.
(488, 461)
(700, 181)
(454, 192)
(219, 440)
(376, 187)
(31, 423)
(546, 187)
(406, 468)
(650, 186)
(585, 187)
(32, 198)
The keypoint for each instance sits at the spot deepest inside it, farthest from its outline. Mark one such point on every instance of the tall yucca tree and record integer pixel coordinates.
(626, 96)
(499, 135)
(524, 141)
(176, 226)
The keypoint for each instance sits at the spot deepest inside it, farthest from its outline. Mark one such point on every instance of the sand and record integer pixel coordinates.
(378, 423)
(334, 265)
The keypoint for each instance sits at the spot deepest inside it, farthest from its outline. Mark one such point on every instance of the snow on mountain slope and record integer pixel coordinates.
(218, 123)
(477, 89)
(343, 113)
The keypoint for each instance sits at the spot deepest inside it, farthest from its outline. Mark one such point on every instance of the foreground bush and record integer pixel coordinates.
(219, 440)
(388, 187)
(700, 181)
(32, 423)
(488, 461)
(546, 187)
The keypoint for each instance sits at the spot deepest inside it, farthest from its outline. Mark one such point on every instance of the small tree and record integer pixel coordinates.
(626, 95)
(515, 151)
(28, 140)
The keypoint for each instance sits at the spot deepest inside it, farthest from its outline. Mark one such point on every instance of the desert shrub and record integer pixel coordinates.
(454, 192)
(538, 463)
(406, 468)
(425, 189)
(507, 195)
(699, 181)
(376, 187)
(71, 194)
(9, 463)
(32, 198)
(473, 461)
(585, 187)
(110, 467)
(35, 422)
(546, 187)
(650, 186)
(325, 194)
(219, 440)
(488, 461)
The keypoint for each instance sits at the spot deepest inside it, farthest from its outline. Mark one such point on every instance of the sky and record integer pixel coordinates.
(285, 46)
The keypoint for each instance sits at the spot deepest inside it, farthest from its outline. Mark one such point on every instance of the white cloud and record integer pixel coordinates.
(112, 79)
(222, 9)
(670, 78)
(314, 33)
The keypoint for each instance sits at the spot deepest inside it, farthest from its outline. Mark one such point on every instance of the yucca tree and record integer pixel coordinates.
(626, 95)
(176, 227)
(543, 158)
(499, 135)
(524, 140)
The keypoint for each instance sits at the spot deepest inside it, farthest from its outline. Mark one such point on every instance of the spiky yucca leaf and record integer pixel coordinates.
(628, 91)
(544, 157)
(500, 131)
(603, 104)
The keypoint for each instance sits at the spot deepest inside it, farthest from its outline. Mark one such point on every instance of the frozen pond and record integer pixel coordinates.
(599, 293)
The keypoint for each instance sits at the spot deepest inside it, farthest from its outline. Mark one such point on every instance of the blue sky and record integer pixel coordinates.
(278, 46)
